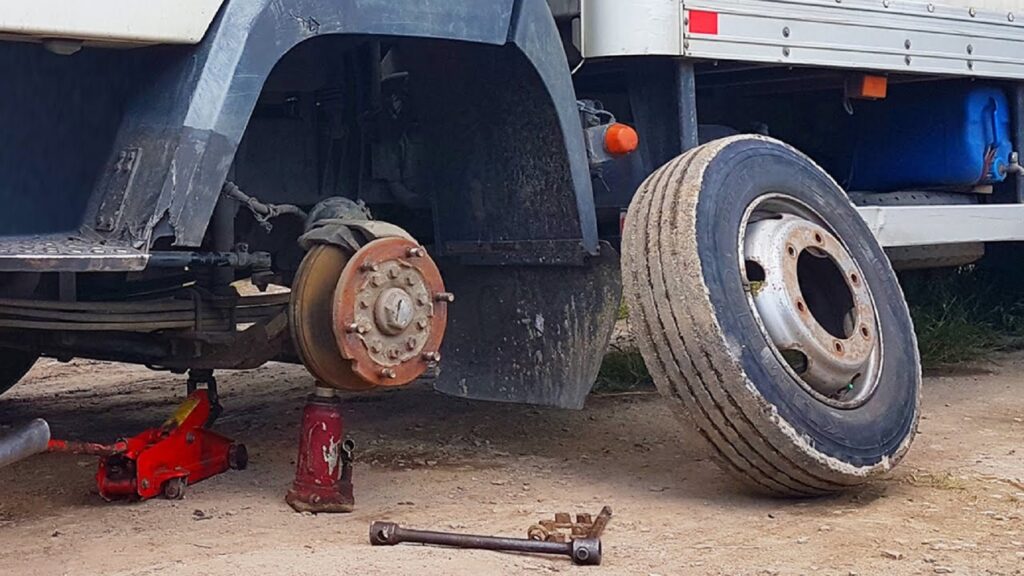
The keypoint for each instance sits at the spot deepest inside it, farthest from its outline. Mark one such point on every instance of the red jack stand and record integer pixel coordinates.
(162, 460)
(323, 475)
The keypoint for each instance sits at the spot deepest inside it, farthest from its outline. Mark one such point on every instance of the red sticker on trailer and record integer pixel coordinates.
(702, 22)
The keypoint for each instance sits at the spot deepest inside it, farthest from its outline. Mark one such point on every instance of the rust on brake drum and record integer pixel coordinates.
(390, 312)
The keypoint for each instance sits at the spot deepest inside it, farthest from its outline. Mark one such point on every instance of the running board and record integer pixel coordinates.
(897, 226)
(65, 253)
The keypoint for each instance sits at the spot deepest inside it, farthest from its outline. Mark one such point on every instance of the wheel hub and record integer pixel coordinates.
(390, 312)
(375, 318)
(394, 311)
(814, 305)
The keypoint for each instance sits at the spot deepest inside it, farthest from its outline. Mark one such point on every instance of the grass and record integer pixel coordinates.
(966, 313)
(623, 371)
(960, 315)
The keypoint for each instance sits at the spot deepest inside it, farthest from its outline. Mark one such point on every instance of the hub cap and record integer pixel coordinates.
(812, 302)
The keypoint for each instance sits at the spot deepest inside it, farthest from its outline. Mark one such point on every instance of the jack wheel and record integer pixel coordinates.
(174, 489)
(238, 457)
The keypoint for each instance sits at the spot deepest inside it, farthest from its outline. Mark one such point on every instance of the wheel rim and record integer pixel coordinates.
(811, 301)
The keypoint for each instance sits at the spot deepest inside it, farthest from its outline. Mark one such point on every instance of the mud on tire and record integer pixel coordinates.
(691, 310)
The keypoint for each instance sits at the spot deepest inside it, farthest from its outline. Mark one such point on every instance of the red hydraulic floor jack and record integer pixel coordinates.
(159, 461)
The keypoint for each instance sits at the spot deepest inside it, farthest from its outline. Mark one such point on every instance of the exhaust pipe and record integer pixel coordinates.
(29, 440)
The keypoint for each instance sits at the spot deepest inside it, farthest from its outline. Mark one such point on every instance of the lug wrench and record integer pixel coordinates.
(583, 551)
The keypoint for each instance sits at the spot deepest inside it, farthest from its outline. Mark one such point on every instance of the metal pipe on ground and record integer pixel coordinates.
(29, 440)
(582, 551)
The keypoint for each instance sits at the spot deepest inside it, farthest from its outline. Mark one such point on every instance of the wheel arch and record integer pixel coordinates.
(194, 121)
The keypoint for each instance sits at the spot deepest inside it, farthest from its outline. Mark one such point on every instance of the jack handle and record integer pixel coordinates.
(29, 440)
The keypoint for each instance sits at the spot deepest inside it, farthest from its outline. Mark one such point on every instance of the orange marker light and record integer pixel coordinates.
(620, 139)
(867, 87)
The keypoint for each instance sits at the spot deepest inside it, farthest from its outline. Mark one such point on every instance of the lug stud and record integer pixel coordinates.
(416, 252)
(388, 373)
(444, 297)
(432, 356)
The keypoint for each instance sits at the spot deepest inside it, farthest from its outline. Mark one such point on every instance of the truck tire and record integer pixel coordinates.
(769, 316)
(14, 364)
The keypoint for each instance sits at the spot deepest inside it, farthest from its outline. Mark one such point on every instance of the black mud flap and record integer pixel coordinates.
(529, 334)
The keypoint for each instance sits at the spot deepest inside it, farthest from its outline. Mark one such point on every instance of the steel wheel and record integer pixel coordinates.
(807, 293)
(769, 316)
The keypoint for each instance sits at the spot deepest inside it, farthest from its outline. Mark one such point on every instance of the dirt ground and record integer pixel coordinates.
(425, 460)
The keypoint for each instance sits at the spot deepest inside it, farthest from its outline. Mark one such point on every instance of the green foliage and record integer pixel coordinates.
(965, 313)
(623, 370)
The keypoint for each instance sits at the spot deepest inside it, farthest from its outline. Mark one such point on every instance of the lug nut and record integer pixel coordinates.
(416, 252)
(357, 328)
(444, 297)
(388, 373)
(369, 267)
(393, 274)
(410, 344)
(422, 324)
(432, 356)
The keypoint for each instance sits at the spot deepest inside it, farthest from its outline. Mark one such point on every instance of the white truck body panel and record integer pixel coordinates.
(130, 22)
(901, 226)
(982, 38)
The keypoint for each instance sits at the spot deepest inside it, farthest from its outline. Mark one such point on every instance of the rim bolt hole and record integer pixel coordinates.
(800, 306)
(755, 272)
(819, 239)
(854, 278)
(791, 251)
(864, 331)
(839, 346)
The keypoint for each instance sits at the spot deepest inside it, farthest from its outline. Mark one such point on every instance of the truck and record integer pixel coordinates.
(467, 190)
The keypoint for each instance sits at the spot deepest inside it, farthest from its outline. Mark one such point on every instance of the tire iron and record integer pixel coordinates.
(583, 551)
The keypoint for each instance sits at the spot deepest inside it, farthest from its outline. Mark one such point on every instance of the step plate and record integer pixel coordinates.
(61, 253)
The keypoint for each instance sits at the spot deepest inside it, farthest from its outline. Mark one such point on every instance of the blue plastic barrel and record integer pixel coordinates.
(932, 136)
